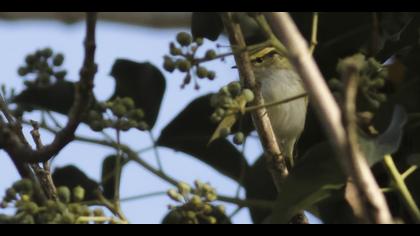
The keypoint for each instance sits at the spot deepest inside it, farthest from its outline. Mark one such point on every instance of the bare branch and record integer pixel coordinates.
(22, 152)
(329, 112)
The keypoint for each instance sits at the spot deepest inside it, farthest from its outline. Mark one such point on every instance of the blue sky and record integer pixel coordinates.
(134, 43)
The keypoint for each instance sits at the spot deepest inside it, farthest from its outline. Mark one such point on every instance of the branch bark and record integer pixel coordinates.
(276, 161)
(373, 201)
(19, 151)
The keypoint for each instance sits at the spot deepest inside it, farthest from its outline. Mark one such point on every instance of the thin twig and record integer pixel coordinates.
(83, 97)
(330, 115)
(133, 156)
(314, 34)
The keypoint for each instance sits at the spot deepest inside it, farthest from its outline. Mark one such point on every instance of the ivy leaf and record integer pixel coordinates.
(58, 97)
(109, 175)
(71, 176)
(388, 142)
(314, 178)
(206, 25)
(190, 132)
(143, 82)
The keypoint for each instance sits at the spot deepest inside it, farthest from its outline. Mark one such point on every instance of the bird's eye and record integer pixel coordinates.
(259, 59)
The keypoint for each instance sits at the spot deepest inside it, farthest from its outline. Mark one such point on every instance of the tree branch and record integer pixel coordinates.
(24, 153)
(329, 113)
(276, 161)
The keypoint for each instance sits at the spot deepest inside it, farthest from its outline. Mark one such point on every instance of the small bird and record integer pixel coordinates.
(279, 81)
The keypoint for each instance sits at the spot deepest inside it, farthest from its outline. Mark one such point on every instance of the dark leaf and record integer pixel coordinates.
(142, 82)
(314, 178)
(335, 209)
(206, 25)
(71, 176)
(58, 97)
(191, 131)
(109, 174)
(414, 160)
(259, 185)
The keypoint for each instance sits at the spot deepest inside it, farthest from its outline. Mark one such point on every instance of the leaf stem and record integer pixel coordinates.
(402, 188)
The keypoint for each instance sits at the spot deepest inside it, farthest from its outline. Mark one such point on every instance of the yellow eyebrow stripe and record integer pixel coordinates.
(262, 53)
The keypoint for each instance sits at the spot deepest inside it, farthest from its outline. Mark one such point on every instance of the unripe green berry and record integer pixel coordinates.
(30, 59)
(202, 72)
(119, 110)
(248, 94)
(207, 209)
(96, 125)
(211, 197)
(191, 215)
(78, 194)
(199, 41)
(196, 201)
(68, 218)
(23, 186)
(211, 220)
(47, 52)
(210, 54)
(22, 71)
(136, 114)
(173, 50)
(128, 103)
(174, 195)
(98, 212)
(211, 75)
(30, 207)
(94, 115)
(214, 118)
(184, 188)
(184, 65)
(58, 59)
(63, 193)
(184, 39)
(235, 88)
(221, 209)
(143, 126)
(168, 64)
(239, 138)
(60, 74)
(10, 194)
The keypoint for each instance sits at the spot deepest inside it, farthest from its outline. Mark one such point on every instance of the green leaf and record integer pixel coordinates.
(71, 176)
(259, 185)
(314, 178)
(388, 142)
(190, 133)
(109, 174)
(58, 97)
(142, 82)
(206, 25)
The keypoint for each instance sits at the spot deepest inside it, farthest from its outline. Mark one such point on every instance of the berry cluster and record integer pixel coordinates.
(42, 67)
(183, 58)
(196, 207)
(68, 209)
(124, 116)
(372, 77)
(230, 100)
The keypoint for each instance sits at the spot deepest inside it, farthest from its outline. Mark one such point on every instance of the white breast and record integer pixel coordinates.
(288, 120)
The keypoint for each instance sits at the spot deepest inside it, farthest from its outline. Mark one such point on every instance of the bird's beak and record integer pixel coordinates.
(234, 67)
